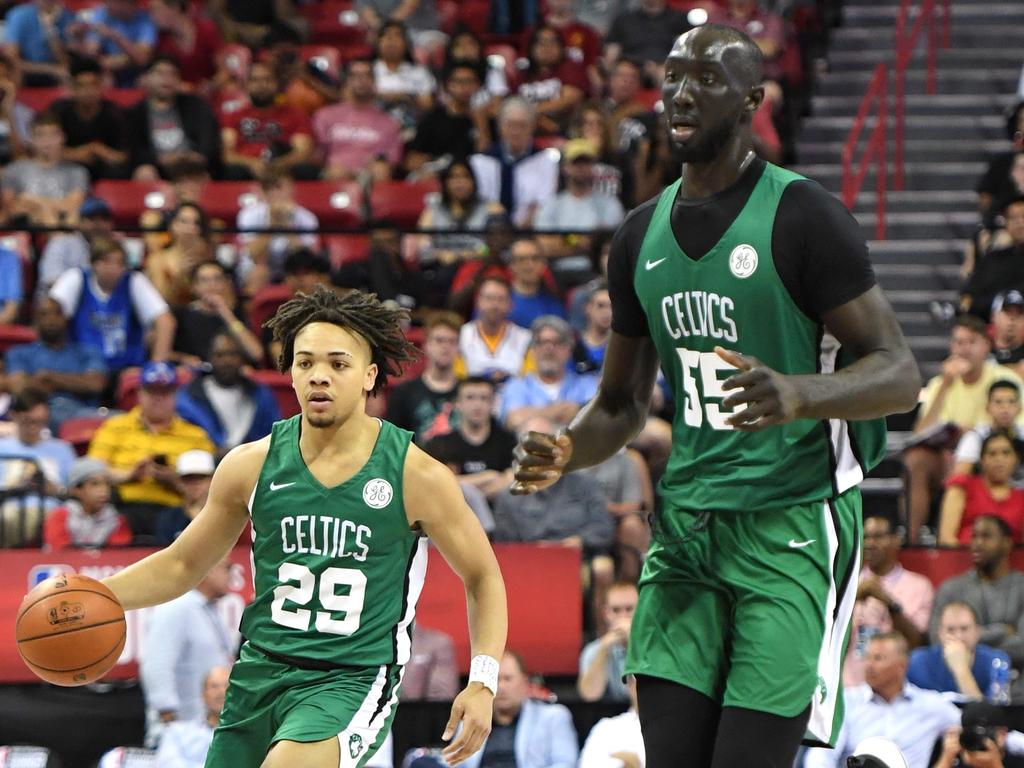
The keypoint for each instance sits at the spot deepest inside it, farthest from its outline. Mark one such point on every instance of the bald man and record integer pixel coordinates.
(751, 287)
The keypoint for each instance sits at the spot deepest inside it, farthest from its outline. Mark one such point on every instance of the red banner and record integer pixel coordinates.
(543, 586)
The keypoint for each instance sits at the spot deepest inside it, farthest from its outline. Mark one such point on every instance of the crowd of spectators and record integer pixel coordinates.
(532, 127)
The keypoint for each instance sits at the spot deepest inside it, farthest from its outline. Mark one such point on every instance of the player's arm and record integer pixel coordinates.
(173, 571)
(434, 502)
(618, 412)
(883, 380)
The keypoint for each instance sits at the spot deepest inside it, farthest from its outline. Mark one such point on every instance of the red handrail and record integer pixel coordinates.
(876, 100)
(904, 51)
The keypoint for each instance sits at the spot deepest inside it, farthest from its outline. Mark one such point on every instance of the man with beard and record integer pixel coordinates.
(729, 280)
(231, 408)
(265, 131)
(341, 505)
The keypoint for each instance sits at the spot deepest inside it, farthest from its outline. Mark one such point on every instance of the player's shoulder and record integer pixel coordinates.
(640, 216)
(422, 471)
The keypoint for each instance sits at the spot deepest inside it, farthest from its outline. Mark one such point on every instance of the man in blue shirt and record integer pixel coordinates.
(73, 375)
(530, 297)
(553, 392)
(958, 663)
(122, 36)
(35, 34)
(11, 286)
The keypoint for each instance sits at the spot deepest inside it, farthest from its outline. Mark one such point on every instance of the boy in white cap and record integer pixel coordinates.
(195, 471)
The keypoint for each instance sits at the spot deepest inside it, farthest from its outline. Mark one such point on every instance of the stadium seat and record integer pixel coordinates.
(128, 199)
(281, 385)
(345, 249)
(265, 303)
(128, 386)
(649, 97)
(336, 204)
(79, 432)
(124, 97)
(333, 23)
(401, 202)
(12, 335)
(27, 757)
(223, 199)
(326, 58)
(38, 99)
(549, 142)
(416, 334)
(236, 59)
(475, 14)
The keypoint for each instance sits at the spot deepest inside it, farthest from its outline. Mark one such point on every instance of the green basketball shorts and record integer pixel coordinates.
(269, 701)
(753, 608)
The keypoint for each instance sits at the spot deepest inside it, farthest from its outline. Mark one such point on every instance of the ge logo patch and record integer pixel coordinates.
(377, 493)
(743, 261)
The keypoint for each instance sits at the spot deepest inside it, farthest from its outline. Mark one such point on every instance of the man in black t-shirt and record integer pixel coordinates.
(423, 405)
(1008, 329)
(479, 449)
(453, 127)
(999, 268)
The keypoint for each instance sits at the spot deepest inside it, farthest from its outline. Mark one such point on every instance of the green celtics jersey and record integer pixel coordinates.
(337, 571)
(733, 297)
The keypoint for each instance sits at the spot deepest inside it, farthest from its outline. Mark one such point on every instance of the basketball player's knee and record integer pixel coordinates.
(314, 754)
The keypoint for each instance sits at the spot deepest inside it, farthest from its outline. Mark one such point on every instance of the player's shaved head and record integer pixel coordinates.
(733, 48)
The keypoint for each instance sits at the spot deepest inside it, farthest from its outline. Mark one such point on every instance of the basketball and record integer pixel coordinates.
(70, 630)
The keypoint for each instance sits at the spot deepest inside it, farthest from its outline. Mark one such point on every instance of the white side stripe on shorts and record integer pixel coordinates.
(833, 648)
(355, 741)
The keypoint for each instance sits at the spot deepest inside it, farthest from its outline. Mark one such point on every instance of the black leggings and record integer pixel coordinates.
(683, 727)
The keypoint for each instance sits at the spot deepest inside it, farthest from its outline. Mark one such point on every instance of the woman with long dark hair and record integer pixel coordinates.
(554, 84)
(170, 268)
(405, 87)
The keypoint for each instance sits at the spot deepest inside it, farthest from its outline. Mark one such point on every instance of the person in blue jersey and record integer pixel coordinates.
(113, 309)
(341, 505)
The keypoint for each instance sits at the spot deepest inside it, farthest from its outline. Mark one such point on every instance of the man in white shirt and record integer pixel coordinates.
(513, 172)
(890, 707)
(262, 255)
(491, 346)
(185, 744)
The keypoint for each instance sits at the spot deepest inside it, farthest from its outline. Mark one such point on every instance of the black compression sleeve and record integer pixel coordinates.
(628, 316)
(819, 250)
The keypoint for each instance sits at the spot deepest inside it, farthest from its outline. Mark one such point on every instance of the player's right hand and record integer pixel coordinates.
(539, 461)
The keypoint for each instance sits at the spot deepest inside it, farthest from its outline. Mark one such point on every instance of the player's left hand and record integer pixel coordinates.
(770, 397)
(471, 709)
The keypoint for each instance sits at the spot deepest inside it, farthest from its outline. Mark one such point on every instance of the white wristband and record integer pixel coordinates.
(484, 669)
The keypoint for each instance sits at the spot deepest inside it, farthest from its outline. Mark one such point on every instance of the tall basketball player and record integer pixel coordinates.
(751, 288)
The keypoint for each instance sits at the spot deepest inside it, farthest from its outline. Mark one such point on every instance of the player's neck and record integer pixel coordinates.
(345, 437)
(701, 180)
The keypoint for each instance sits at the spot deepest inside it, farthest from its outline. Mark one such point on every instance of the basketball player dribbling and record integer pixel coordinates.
(341, 504)
(751, 288)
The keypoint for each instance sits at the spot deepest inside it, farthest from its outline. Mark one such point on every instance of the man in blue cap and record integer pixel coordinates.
(142, 446)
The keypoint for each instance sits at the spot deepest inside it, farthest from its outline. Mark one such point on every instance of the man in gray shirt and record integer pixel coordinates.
(993, 589)
(45, 190)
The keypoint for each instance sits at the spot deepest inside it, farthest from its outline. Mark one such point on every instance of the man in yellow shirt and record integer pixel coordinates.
(142, 446)
(957, 396)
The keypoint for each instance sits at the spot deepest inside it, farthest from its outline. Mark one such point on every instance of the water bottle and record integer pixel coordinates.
(999, 683)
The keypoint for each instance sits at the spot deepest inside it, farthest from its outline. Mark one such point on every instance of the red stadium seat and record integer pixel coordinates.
(128, 386)
(649, 97)
(475, 14)
(281, 385)
(326, 58)
(336, 204)
(223, 199)
(333, 22)
(401, 202)
(124, 97)
(236, 59)
(13, 335)
(79, 432)
(128, 199)
(549, 142)
(265, 303)
(38, 99)
(344, 249)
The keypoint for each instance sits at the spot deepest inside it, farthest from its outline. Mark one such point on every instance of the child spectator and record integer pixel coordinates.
(88, 519)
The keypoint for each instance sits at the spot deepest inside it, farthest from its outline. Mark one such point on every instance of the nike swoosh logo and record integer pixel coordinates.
(794, 544)
(278, 486)
(652, 264)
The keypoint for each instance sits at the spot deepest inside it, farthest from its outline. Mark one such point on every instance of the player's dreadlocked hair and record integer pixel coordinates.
(358, 312)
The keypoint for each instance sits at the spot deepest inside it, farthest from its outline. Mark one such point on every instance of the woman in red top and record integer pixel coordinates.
(987, 492)
(554, 84)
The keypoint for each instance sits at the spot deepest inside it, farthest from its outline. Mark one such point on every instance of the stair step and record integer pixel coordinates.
(912, 226)
(916, 127)
(955, 57)
(935, 175)
(998, 81)
(920, 104)
(925, 251)
(964, 15)
(961, 36)
(914, 150)
(910, 276)
(917, 323)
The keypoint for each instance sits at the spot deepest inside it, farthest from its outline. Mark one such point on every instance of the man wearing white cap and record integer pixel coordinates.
(195, 472)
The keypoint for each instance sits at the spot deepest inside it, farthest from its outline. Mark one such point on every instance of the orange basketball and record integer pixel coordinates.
(70, 630)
